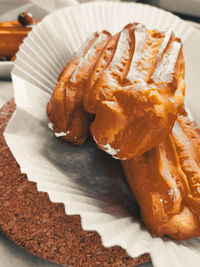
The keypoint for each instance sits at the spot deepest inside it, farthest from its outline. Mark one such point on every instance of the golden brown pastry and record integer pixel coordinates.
(12, 34)
(133, 82)
(135, 90)
(166, 182)
(67, 117)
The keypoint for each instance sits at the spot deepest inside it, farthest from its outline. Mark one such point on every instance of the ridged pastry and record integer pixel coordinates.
(135, 90)
(166, 182)
(133, 83)
(67, 117)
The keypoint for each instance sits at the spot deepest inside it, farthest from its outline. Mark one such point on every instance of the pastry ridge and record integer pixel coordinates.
(142, 88)
(67, 118)
(166, 182)
(132, 86)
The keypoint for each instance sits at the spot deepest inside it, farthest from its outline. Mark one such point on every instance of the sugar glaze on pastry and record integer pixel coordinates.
(129, 88)
(67, 117)
(136, 97)
(166, 182)
(132, 82)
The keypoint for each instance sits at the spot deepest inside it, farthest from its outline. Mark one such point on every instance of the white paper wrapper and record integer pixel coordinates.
(85, 179)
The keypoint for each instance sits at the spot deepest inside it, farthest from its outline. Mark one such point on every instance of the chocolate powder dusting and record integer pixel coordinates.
(32, 221)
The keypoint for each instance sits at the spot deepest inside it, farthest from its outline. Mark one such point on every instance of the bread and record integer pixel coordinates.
(166, 182)
(67, 118)
(135, 90)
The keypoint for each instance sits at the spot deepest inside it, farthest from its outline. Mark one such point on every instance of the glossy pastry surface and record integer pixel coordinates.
(67, 118)
(132, 84)
(135, 90)
(166, 182)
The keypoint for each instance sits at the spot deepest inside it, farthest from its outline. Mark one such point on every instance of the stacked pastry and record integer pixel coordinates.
(127, 89)
(166, 182)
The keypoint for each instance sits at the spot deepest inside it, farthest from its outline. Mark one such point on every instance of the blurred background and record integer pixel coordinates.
(186, 8)
(10, 254)
(189, 9)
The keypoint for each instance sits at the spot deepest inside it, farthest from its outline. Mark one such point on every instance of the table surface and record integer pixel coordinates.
(11, 254)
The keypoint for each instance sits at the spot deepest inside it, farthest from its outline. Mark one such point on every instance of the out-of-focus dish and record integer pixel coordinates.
(12, 34)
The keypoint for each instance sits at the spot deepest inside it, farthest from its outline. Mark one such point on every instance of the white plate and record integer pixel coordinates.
(72, 175)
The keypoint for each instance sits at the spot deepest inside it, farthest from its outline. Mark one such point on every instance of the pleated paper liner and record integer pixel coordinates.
(41, 227)
(87, 181)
